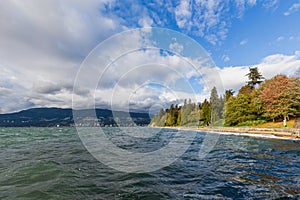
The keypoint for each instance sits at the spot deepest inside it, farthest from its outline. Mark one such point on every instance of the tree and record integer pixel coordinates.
(189, 114)
(216, 105)
(205, 113)
(238, 110)
(178, 122)
(230, 114)
(254, 77)
(228, 93)
(172, 115)
(159, 119)
(246, 90)
(256, 104)
(280, 97)
(185, 112)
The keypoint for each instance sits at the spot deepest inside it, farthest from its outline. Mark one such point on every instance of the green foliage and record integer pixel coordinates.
(172, 115)
(238, 110)
(275, 98)
(159, 119)
(254, 77)
(205, 113)
(188, 112)
(216, 105)
(228, 93)
(186, 115)
(252, 123)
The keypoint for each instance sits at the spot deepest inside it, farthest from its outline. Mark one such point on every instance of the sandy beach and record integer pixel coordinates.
(278, 133)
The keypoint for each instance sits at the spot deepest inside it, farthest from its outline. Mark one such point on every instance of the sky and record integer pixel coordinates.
(139, 55)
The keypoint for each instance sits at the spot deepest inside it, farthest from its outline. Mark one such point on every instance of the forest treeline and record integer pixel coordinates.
(258, 101)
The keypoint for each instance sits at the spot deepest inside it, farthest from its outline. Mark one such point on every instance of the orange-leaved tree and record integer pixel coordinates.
(280, 97)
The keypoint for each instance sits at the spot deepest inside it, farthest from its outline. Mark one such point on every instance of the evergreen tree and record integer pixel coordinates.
(231, 118)
(171, 120)
(228, 93)
(277, 98)
(189, 114)
(159, 119)
(216, 105)
(205, 113)
(238, 110)
(254, 77)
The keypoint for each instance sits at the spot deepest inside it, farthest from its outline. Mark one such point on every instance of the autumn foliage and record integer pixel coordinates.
(280, 97)
(275, 99)
(257, 101)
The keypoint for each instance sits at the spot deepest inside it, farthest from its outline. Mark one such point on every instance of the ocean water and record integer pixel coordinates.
(52, 163)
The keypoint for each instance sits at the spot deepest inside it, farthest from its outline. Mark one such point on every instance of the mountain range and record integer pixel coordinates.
(47, 117)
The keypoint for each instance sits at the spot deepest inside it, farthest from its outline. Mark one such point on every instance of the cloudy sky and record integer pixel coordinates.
(55, 52)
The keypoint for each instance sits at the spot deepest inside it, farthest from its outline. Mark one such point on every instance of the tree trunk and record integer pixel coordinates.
(284, 121)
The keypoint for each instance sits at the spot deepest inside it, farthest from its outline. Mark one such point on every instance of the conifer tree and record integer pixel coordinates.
(254, 77)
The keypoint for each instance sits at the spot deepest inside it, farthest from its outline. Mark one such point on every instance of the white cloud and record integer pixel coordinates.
(271, 4)
(269, 67)
(183, 14)
(225, 58)
(294, 8)
(244, 41)
(280, 38)
(124, 67)
(252, 2)
(176, 47)
(294, 38)
(145, 22)
(242, 5)
(209, 19)
(42, 44)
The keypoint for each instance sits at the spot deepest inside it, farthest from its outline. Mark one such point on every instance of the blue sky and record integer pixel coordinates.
(260, 27)
(259, 33)
(44, 45)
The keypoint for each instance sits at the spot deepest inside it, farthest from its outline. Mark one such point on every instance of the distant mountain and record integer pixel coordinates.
(44, 117)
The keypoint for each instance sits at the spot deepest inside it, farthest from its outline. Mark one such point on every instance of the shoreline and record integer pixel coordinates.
(277, 133)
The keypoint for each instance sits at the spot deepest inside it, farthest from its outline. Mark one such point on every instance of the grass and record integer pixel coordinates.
(290, 124)
(251, 123)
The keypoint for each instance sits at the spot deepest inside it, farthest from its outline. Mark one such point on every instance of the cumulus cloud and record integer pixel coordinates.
(43, 43)
(269, 67)
(125, 74)
(38, 47)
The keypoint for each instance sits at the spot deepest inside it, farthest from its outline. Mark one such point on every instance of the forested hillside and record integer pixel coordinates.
(256, 102)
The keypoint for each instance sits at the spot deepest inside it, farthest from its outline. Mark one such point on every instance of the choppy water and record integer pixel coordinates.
(52, 163)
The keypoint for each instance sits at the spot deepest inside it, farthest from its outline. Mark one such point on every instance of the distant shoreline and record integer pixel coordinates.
(278, 133)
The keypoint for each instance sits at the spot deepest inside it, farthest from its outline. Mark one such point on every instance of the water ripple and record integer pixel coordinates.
(52, 163)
